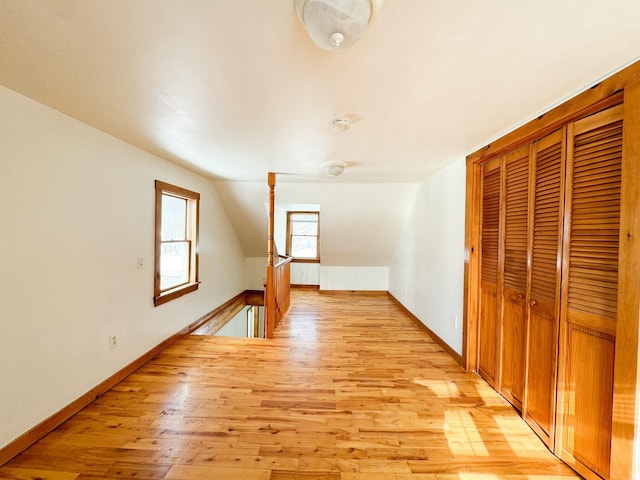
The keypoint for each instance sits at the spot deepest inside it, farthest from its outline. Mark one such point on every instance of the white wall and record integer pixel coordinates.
(427, 269)
(279, 230)
(305, 273)
(354, 278)
(255, 272)
(236, 327)
(77, 209)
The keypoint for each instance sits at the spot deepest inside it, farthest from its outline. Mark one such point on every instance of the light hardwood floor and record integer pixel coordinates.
(350, 389)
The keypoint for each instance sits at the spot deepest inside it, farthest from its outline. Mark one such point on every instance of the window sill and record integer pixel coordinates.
(175, 293)
(305, 260)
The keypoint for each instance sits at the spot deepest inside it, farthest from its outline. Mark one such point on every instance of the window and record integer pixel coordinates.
(176, 259)
(303, 236)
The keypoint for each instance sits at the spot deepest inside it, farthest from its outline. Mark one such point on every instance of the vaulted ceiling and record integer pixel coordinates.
(235, 88)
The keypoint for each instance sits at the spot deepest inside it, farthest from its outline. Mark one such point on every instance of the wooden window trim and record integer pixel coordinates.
(161, 297)
(305, 260)
(288, 247)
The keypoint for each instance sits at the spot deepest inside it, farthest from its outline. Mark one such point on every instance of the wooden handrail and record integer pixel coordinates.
(277, 292)
(282, 282)
(283, 259)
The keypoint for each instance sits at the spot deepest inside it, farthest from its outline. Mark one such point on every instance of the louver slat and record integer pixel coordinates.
(595, 221)
(490, 225)
(516, 204)
(546, 224)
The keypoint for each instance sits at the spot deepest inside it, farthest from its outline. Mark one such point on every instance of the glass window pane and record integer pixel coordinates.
(304, 247)
(304, 217)
(174, 264)
(304, 228)
(174, 218)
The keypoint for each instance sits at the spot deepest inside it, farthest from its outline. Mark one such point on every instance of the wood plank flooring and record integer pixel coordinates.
(350, 389)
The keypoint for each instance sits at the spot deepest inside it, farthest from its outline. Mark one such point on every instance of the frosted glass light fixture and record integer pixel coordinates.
(333, 168)
(336, 24)
(340, 124)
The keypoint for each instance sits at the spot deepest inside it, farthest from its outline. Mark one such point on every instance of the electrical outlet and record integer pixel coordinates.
(113, 342)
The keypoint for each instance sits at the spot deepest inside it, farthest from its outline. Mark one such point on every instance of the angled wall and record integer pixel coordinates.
(77, 211)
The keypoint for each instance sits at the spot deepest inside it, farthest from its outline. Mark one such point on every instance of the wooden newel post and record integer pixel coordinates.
(270, 293)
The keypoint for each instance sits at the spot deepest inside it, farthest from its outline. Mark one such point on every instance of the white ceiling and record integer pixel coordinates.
(234, 89)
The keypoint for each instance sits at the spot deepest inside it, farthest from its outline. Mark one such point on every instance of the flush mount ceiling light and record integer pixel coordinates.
(336, 24)
(340, 124)
(332, 168)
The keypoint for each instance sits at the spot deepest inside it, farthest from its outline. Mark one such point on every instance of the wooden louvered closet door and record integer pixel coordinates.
(516, 213)
(545, 276)
(488, 321)
(589, 302)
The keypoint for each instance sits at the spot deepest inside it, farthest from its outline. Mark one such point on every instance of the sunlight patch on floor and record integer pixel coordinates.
(462, 435)
(515, 433)
(488, 394)
(441, 388)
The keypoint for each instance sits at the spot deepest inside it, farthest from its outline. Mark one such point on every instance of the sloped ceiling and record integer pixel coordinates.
(234, 88)
(359, 222)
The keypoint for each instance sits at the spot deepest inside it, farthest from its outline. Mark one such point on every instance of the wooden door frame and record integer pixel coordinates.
(626, 386)
(624, 84)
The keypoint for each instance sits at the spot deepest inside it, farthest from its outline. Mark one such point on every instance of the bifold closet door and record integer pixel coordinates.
(589, 303)
(516, 213)
(488, 321)
(547, 193)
